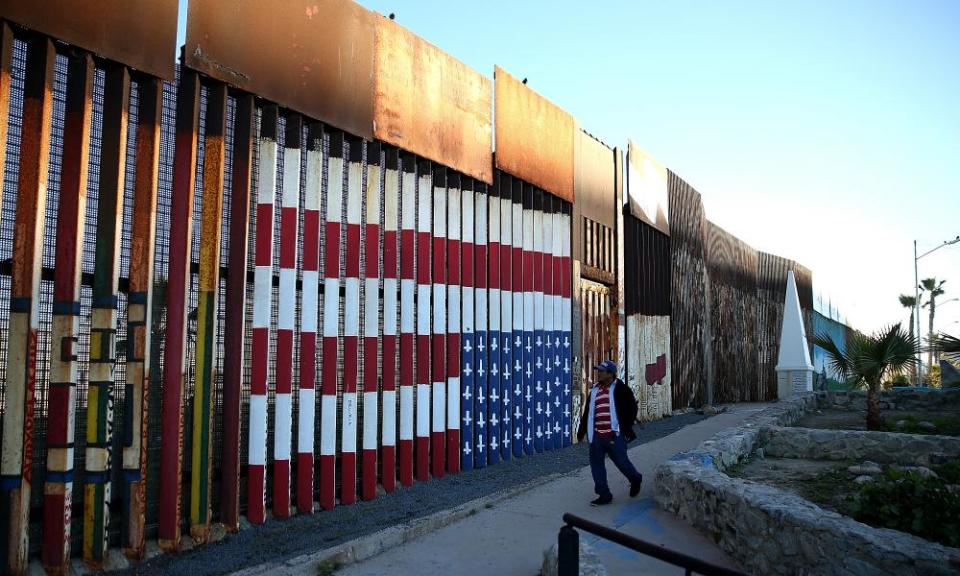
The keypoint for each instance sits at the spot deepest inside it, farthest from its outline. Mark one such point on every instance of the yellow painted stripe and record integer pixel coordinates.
(89, 519)
(198, 475)
(93, 407)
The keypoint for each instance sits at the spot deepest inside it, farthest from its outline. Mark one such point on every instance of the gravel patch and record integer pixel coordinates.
(281, 540)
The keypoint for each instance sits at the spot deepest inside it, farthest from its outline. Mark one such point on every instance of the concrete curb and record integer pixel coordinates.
(365, 547)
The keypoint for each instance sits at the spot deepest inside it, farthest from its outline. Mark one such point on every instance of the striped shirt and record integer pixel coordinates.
(601, 415)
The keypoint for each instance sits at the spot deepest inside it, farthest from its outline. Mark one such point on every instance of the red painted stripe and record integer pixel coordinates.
(288, 237)
(466, 261)
(348, 478)
(423, 458)
(308, 377)
(389, 254)
(311, 245)
(331, 261)
(423, 258)
(453, 434)
(372, 235)
(255, 490)
(480, 256)
(327, 483)
(54, 530)
(59, 398)
(388, 467)
(528, 267)
(406, 379)
(264, 241)
(281, 488)
(369, 477)
(352, 260)
(304, 488)
(329, 382)
(284, 368)
(493, 264)
(423, 377)
(407, 238)
(258, 361)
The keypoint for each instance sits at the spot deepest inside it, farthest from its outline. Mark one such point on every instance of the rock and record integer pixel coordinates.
(865, 469)
(115, 561)
(152, 550)
(863, 479)
(925, 425)
(901, 424)
(217, 532)
(760, 453)
(590, 564)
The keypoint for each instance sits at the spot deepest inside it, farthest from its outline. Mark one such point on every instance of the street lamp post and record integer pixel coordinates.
(916, 284)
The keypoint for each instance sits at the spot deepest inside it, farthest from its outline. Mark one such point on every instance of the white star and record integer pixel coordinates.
(466, 419)
(516, 365)
(539, 341)
(566, 342)
(493, 344)
(539, 387)
(516, 413)
(539, 408)
(529, 372)
(539, 363)
(506, 438)
(494, 421)
(517, 342)
(517, 435)
(493, 443)
(506, 399)
(556, 402)
(480, 422)
(468, 370)
(480, 346)
(528, 417)
(494, 396)
(566, 366)
(548, 387)
(506, 344)
(528, 438)
(528, 344)
(506, 371)
(566, 431)
(467, 346)
(517, 391)
(466, 448)
(566, 411)
(556, 428)
(466, 393)
(548, 410)
(549, 432)
(480, 443)
(549, 344)
(556, 360)
(558, 342)
(539, 433)
(480, 369)
(493, 370)
(528, 394)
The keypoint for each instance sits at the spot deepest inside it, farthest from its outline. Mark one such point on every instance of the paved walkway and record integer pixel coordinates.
(509, 538)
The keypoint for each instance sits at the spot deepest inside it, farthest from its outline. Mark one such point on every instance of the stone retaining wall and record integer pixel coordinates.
(771, 531)
(882, 447)
(912, 400)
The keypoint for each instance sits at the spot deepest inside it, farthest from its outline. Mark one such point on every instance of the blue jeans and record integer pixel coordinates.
(616, 447)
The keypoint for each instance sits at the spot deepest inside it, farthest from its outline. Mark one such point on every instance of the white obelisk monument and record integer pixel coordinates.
(794, 369)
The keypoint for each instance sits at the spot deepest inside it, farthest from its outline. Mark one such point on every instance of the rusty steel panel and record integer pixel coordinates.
(647, 188)
(534, 137)
(313, 57)
(594, 179)
(139, 33)
(430, 103)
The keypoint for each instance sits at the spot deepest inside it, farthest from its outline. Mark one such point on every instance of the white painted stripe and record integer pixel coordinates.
(480, 319)
(258, 430)
(391, 188)
(439, 213)
(310, 301)
(439, 406)
(528, 311)
(282, 428)
(518, 308)
(453, 308)
(351, 307)
(506, 310)
(267, 180)
(480, 220)
(556, 223)
(328, 424)
(468, 310)
(538, 310)
(369, 420)
(528, 230)
(291, 178)
(373, 193)
(423, 204)
(348, 442)
(423, 310)
(331, 306)
(389, 425)
(307, 414)
(389, 307)
(517, 224)
(453, 221)
(467, 202)
(407, 311)
(494, 301)
(493, 213)
(565, 230)
(567, 323)
(262, 287)
(407, 214)
(354, 195)
(335, 189)
(439, 308)
(406, 412)
(314, 179)
(423, 409)
(537, 231)
(548, 312)
(453, 403)
(287, 302)
(371, 316)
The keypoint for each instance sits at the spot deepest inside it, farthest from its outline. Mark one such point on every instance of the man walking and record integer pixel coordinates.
(607, 421)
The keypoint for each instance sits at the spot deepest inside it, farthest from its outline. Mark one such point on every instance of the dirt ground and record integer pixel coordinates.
(825, 482)
(945, 422)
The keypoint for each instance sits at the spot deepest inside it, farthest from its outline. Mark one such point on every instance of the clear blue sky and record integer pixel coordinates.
(824, 131)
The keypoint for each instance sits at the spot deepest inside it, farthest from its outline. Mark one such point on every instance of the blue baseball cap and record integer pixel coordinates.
(606, 366)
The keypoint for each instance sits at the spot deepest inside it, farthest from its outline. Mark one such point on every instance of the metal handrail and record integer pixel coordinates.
(568, 549)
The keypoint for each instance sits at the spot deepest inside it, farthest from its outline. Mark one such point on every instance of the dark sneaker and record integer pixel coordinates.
(602, 501)
(635, 488)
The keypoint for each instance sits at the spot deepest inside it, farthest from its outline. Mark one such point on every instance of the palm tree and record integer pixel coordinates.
(869, 360)
(910, 302)
(948, 346)
(935, 289)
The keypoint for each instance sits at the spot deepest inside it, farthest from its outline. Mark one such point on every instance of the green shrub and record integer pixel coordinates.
(949, 472)
(909, 502)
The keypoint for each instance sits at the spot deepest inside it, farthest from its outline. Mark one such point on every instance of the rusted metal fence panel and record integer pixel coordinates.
(732, 268)
(594, 184)
(431, 104)
(316, 58)
(688, 294)
(534, 137)
(139, 33)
